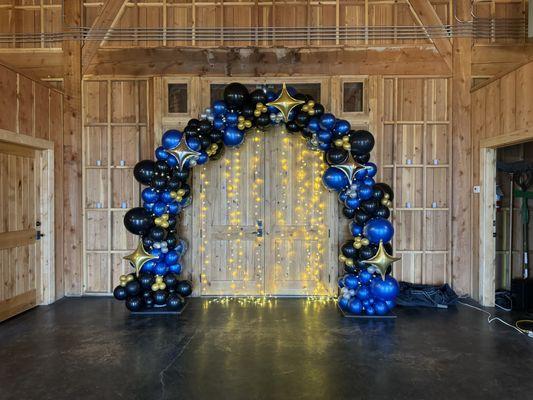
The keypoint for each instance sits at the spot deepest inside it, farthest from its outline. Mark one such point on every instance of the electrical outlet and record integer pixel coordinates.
(477, 189)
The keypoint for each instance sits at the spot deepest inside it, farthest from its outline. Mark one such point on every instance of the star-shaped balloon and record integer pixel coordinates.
(285, 103)
(382, 260)
(139, 257)
(350, 169)
(183, 153)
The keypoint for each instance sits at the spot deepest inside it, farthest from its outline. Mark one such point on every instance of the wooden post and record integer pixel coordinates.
(462, 169)
(72, 238)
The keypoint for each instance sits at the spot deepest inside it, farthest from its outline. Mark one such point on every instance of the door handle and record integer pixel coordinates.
(259, 231)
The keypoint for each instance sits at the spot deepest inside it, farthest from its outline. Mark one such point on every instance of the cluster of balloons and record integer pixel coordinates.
(225, 124)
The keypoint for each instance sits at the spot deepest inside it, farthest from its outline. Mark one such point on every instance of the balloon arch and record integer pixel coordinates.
(367, 287)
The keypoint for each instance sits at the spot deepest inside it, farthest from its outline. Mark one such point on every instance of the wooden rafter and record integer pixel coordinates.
(111, 11)
(427, 16)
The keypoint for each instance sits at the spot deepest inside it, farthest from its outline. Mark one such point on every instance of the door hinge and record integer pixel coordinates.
(329, 278)
(329, 233)
(38, 234)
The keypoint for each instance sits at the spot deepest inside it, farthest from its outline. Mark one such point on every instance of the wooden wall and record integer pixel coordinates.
(32, 109)
(500, 107)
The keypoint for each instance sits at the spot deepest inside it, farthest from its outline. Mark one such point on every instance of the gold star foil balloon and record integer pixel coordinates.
(183, 153)
(285, 103)
(382, 260)
(139, 257)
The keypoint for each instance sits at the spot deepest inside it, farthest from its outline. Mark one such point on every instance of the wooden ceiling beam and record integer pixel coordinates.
(427, 16)
(418, 60)
(110, 13)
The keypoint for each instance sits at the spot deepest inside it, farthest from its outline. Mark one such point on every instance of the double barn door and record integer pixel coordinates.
(267, 223)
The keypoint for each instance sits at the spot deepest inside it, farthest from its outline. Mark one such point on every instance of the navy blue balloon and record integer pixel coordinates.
(352, 202)
(171, 138)
(377, 230)
(166, 197)
(175, 268)
(390, 304)
(324, 146)
(372, 169)
(381, 308)
(232, 118)
(148, 206)
(361, 174)
(365, 192)
(271, 95)
(161, 154)
(218, 123)
(370, 310)
(343, 303)
(174, 207)
(159, 208)
(356, 229)
(340, 282)
(351, 281)
(313, 125)
(327, 121)
(219, 107)
(149, 266)
(172, 257)
(335, 179)
(342, 127)
(150, 195)
(324, 136)
(161, 268)
(355, 306)
(194, 143)
(120, 293)
(171, 161)
(343, 196)
(386, 290)
(232, 136)
(202, 158)
(369, 182)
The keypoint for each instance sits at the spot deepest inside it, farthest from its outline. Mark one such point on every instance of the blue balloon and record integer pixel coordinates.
(386, 289)
(232, 136)
(324, 136)
(148, 206)
(218, 123)
(159, 208)
(343, 303)
(355, 306)
(378, 229)
(370, 310)
(365, 277)
(343, 196)
(390, 304)
(351, 281)
(341, 282)
(292, 90)
(355, 229)
(171, 139)
(161, 154)
(172, 162)
(148, 266)
(194, 143)
(363, 292)
(361, 174)
(381, 308)
(202, 158)
(156, 252)
(219, 107)
(172, 257)
(335, 179)
(174, 207)
(271, 96)
(166, 197)
(149, 195)
(365, 192)
(324, 146)
(371, 169)
(313, 125)
(232, 118)
(161, 268)
(369, 181)
(342, 127)
(327, 121)
(175, 268)
(352, 202)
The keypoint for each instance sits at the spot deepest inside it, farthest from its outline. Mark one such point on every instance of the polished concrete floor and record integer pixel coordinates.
(91, 348)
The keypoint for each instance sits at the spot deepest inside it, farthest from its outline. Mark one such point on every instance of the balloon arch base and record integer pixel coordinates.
(346, 314)
(164, 310)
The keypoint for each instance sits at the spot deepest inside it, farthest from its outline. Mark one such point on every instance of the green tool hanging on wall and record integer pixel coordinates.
(524, 180)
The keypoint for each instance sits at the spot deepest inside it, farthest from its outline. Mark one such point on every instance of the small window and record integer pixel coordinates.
(353, 97)
(177, 98)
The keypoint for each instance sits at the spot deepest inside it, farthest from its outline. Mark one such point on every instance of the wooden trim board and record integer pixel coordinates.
(17, 304)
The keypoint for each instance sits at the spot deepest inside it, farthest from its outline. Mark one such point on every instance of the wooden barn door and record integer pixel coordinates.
(19, 223)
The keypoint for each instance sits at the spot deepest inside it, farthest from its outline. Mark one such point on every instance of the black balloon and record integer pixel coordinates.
(194, 123)
(336, 156)
(144, 171)
(367, 252)
(133, 288)
(302, 119)
(120, 293)
(361, 159)
(382, 212)
(348, 250)
(190, 131)
(160, 297)
(134, 303)
(159, 182)
(205, 141)
(235, 95)
(370, 206)
(362, 142)
(216, 135)
(385, 189)
(292, 126)
(377, 193)
(174, 183)
(258, 96)
(248, 111)
(182, 175)
(172, 241)
(149, 301)
(138, 221)
(263, 120)
(157, 234)
(146, 281)
(187, 189)
(319, 110)
(205, 126)
(170, 280)
(219, 153)
(348, 212)
(147, 242)
(184, 288)
(174, 301)
(360, 217)
(350, 269)
(162, 167)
